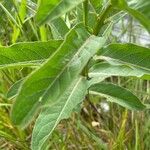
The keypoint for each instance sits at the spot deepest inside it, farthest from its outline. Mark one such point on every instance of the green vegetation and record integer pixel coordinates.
(68, 81)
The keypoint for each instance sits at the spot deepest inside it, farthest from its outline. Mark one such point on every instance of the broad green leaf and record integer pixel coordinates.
(118, 95)
(51, 80)
(53, 114)
(29, 53)
(129, 54)
(107, 69)
(50, 10)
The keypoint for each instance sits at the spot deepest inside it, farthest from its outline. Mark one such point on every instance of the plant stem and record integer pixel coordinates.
(85, 13)
(9, 15)
(137, 137)
(101, 18)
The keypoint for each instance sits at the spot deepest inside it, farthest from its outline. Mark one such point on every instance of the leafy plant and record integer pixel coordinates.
(73, 64)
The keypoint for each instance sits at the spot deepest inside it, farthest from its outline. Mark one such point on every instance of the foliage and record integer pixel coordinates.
(66, 59)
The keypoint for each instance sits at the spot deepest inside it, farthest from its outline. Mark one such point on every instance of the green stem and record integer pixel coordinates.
(9, 15)
(137, 140)
(43, 33)
(101, 18)
(85, 14)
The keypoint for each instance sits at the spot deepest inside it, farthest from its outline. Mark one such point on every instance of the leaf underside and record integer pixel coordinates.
(51, 115)
(51, 80)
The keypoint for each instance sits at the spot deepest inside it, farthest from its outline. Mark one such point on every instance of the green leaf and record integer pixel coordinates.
(94, 136)
(12, 92)
(130, 54)
(135, 11)
(120, 4)
(53, 114)
(140, 17)
(25, 54)
(9, 15)
(142, 6)
(50, 10)
(97, 4)
(118, 95)
(59, 28)
(51, 80)
(92, 17)
(23, 10)
(107, 69)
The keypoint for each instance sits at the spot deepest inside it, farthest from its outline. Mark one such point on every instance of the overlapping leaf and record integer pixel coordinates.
(140, 17)
(51, 80)
(118, 95)
(49, 10)
(142, 6)
(128, 54)
(51, 115)
(14, 89)
(97, 4)
(59, 28)
(29, 53)
(138, 9)
(107, 69)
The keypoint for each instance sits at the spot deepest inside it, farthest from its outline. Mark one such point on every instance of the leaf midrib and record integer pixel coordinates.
(80, 49)
(61, 112)
(41, 99)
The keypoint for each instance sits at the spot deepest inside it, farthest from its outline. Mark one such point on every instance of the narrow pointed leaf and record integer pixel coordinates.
(118, 95)
(23, 10)
(140, 17)
(142, 6)
(52, 79)
(92, 135)
(49, 10)
(107, 69)
(137, 11)
(130, 54)
(53, 114)
(59, 28)
(9, 15)
(25, 54)
(14, 89)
